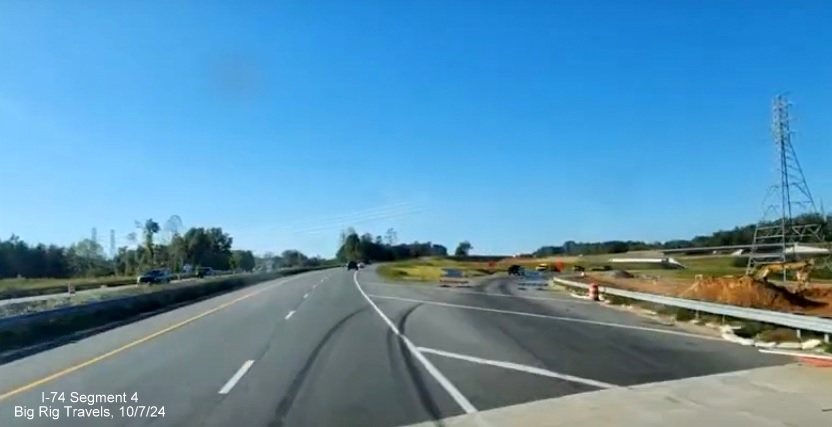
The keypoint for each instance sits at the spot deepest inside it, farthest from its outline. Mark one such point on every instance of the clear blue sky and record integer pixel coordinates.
(514, 124)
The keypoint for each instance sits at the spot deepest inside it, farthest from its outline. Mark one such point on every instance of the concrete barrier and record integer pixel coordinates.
(77, 284)
(31, 329)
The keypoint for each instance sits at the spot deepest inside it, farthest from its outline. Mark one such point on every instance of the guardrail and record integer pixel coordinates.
(795, 321)
(12, 321)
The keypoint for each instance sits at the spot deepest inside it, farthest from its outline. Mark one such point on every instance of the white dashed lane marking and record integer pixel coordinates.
(236, 378)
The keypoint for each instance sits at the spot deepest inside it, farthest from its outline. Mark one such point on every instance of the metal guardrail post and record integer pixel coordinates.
(793, 321)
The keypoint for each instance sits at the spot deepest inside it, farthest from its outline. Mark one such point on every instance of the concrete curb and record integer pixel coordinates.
(728, 334)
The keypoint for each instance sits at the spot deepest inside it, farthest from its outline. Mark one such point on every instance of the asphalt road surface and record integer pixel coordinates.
(336, 348)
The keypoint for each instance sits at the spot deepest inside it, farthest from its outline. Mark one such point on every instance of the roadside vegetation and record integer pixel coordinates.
(595, 258)
(741, 235)
(430, 269)
(24, 265)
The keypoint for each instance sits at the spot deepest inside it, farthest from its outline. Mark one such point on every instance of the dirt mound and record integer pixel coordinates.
(744, 291)
(621, 274)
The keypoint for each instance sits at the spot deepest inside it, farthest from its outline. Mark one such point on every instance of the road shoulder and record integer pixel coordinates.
(774, 396)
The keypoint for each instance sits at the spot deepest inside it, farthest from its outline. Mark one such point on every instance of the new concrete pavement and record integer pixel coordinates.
(345, 349)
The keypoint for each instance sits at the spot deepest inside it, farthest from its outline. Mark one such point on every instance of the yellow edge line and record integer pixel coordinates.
(127, 346)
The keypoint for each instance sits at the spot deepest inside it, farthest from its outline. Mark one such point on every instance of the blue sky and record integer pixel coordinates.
(511, 124)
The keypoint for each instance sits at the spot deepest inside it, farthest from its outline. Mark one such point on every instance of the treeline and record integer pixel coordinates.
(742, 235)
(366, 247)
(288, 259)
(196, 247)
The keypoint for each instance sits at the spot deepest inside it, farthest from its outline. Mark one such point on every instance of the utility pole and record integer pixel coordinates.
(113, 251)
(785, 223)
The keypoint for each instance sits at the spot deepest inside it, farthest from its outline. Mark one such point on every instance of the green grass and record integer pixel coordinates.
(7, 284)
(714, 266)
(429, 269)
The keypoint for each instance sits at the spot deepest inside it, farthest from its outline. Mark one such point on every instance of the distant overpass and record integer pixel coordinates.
(734, 248)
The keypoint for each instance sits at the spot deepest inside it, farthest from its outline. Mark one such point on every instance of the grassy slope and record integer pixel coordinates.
(429, 269)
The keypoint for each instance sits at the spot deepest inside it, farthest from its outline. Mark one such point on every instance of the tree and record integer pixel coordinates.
(242, 260)
(390, 237)
(463, 249)
(86, 258)
(208, 247)
(293, 258)
(149, 230)
(369, 248)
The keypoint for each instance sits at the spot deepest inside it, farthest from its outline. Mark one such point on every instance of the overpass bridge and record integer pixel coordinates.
(792, 248)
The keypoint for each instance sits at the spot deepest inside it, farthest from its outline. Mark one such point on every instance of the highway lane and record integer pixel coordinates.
(313, 350)
(331, 362)
(554, 332)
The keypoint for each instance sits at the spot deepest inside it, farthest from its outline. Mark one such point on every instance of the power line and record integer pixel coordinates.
(790, 216)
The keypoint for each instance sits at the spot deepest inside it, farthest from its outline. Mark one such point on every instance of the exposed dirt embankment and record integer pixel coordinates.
(740, 291)
(744, 291)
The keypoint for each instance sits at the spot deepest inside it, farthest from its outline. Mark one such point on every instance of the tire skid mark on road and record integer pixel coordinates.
(460, 399)
(276, 327)
(556, 318)
(266, 286)
(285, 406)
(415, 377)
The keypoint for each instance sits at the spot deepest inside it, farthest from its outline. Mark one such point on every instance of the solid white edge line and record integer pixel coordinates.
(461, 400)
(569, 300)
(290, 314)
(518, 367)
(237, 376)
(564, 319)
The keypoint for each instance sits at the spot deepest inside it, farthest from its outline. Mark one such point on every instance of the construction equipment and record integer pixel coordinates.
(802, 270)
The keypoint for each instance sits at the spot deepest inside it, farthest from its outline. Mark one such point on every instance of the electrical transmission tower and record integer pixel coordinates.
(790, 216)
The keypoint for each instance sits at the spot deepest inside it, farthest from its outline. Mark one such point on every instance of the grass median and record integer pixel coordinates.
(21, 288)
(53, 325)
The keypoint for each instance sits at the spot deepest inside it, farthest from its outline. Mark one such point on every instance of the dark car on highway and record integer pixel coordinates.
(159, 275)
(352, 265)
(203, 272)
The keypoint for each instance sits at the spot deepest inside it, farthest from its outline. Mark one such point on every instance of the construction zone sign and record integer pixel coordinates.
(452, 277)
